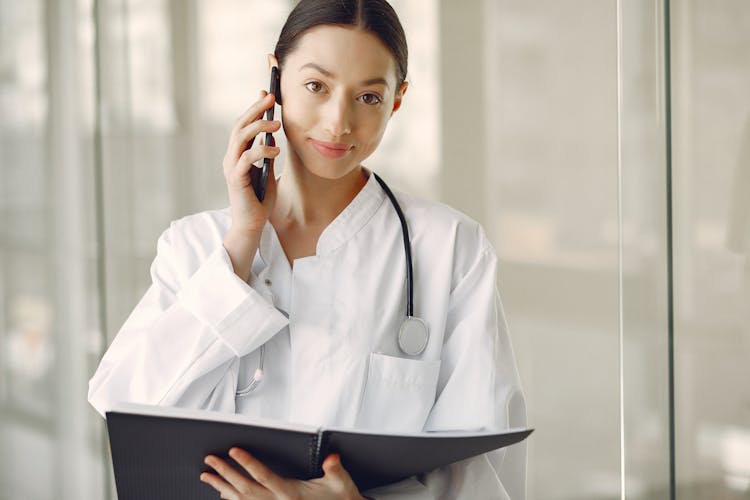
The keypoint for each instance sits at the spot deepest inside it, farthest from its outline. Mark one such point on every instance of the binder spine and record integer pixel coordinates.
(317, 446)
(312, 463)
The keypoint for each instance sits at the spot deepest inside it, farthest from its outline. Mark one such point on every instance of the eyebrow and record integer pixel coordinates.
(327, 73)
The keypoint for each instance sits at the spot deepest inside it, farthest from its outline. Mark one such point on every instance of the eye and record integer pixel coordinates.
(314, 87)
(371, 99)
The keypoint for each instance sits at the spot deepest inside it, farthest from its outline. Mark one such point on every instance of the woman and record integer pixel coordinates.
(310, 283)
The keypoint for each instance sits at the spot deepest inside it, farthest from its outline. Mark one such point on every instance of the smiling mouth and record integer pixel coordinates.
(330, 149)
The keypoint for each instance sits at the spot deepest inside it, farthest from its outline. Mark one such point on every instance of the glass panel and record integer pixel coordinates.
(711, 183)
(552, 171)
(48, 307)
(643, 233)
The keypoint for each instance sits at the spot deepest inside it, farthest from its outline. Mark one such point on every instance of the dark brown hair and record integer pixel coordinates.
(373, 16)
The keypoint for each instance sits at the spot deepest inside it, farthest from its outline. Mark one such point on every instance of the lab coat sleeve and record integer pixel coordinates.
(479, 387)
(182, 343)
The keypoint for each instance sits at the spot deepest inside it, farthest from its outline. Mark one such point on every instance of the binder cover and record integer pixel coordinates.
(157, 452)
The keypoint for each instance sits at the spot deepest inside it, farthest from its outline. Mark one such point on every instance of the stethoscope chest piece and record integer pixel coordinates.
(413, 336)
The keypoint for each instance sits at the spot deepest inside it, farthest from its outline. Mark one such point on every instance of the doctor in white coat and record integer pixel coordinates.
(291, 308)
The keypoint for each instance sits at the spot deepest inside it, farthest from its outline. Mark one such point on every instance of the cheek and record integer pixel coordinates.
(295, 122)
(371, 131)
(295, 115)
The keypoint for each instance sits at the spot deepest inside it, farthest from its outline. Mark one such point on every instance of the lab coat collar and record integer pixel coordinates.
(352, 218)
(348, 223)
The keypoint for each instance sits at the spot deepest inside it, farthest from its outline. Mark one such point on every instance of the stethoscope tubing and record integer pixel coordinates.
(407, 246)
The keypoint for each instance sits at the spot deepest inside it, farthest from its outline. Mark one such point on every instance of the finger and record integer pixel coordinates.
(257, 108)
(332, 466)
(333, 470)
(224, 488)
(272, 144)
(265, 476)
(255, 111)
(249, 158)
(254, 128)
(240, 482)
(244, 137)
(237, 175)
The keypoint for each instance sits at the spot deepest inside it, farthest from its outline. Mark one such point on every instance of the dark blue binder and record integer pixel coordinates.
(157, 452)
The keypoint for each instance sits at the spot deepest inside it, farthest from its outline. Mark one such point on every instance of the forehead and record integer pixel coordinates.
(349, 53)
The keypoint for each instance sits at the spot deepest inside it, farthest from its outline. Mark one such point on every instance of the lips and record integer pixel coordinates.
(330, 149)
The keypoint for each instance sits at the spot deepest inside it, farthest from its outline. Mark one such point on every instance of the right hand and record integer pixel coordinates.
(336, 482)
(248, 214)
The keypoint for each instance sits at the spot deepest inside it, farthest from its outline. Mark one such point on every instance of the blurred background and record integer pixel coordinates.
(618, 200)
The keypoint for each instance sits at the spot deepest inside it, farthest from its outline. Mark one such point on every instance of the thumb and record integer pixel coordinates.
(332, 465)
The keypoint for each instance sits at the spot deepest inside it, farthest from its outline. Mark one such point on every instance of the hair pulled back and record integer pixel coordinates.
(372, 16)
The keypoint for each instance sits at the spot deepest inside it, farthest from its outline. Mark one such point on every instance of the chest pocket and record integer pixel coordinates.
(399, 393)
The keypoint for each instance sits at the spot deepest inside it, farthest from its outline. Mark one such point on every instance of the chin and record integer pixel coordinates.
(329, 171)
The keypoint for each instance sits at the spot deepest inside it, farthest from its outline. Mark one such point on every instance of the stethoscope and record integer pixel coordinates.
(413, 334)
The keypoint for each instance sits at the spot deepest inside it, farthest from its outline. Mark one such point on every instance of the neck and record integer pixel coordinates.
(306, 200)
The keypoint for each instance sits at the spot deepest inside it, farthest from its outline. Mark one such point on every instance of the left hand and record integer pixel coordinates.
(233, 485)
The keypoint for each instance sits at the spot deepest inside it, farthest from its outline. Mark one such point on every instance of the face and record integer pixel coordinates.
(339, 91)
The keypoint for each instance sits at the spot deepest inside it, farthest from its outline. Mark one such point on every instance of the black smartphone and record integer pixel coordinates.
(259, 176)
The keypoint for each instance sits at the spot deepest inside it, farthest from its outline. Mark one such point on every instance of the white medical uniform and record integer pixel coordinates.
(330, 325)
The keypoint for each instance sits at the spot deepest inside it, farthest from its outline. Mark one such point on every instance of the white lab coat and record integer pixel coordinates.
(195, 335)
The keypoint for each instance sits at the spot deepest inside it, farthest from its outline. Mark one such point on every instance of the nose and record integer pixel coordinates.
(337, 116)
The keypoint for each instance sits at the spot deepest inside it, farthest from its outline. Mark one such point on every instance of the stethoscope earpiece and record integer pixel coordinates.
(257, 376)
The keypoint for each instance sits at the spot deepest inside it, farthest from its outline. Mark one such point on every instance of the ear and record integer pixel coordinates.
(272, 62)
(399, 97)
